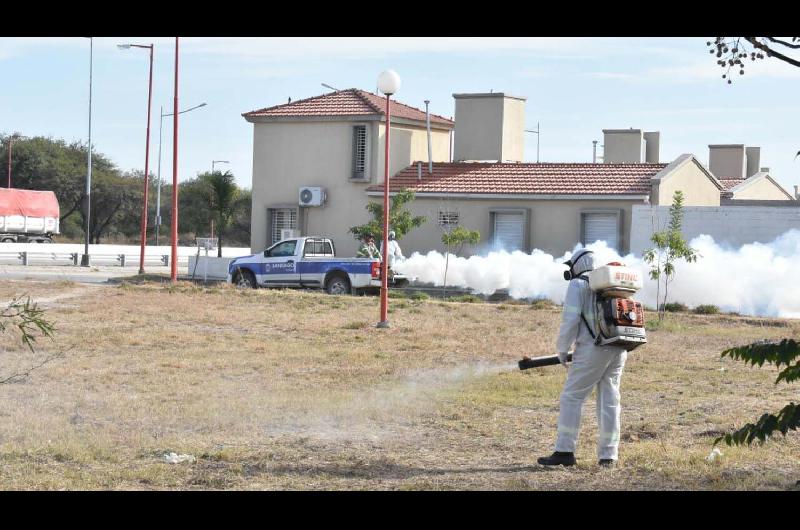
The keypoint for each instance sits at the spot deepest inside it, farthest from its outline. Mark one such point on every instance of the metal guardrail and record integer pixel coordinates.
(74, 258)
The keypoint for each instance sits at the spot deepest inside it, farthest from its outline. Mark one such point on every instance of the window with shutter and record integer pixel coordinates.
(601, 226)
(509, 231)
(359, 151)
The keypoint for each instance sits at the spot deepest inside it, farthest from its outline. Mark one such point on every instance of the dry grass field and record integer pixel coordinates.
(275, 389)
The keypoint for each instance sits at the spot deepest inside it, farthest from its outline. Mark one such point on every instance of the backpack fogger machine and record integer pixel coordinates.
(618, 320)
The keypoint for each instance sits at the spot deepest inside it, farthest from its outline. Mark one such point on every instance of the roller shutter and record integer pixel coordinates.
(601, 227)
(509, 230)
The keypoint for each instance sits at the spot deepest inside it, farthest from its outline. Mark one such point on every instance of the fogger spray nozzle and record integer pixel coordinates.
(537, 362)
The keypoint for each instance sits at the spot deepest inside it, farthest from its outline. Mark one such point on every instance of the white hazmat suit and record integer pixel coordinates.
(394, 251)
(592, 366)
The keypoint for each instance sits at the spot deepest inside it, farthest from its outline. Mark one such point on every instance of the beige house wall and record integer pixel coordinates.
(289, 155)
(763, 190)
(409, 144)
(553, 225)
(697, 188)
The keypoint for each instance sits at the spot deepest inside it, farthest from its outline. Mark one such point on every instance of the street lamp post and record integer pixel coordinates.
(174, 262)
(87, 207)
(158, 190)
(146, 151)
(388, 83)
(214, 162)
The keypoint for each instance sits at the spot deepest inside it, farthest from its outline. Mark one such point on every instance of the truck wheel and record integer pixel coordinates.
(8, 240)
(338, 285)
(245, 280)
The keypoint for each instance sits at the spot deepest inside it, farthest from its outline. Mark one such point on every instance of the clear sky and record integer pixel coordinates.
(575, 88)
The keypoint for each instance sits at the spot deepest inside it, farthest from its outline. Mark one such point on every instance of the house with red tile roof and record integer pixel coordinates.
(332, 145)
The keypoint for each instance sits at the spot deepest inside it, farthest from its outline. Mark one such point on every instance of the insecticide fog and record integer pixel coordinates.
(755, 279)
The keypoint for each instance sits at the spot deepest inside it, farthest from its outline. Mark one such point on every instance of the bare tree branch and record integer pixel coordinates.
(771, 52)
(787, 44)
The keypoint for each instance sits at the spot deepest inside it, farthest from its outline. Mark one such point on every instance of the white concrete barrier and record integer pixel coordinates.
(208, 267)
(732, 226)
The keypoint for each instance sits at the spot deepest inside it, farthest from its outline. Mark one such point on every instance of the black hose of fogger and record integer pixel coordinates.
(537, 362)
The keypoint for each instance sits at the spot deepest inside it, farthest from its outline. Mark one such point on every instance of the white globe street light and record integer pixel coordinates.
(389, 82)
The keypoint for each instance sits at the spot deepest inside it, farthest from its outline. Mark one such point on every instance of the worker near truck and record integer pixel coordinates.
(592, 366)
(395, 252)
(368, 248)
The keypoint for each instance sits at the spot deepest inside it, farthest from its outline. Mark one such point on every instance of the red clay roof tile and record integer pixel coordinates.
(524, 178)
(350, 102)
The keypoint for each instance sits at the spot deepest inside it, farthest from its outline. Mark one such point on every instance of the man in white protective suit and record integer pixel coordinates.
(592, 366)
(394, 249)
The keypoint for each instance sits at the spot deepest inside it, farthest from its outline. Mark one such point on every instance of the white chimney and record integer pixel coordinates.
(489, 126)
(727, 160)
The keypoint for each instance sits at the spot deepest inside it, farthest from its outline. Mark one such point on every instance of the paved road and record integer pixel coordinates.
(92, 274)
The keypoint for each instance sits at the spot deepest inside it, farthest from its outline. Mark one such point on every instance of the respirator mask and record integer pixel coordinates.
(570, 275)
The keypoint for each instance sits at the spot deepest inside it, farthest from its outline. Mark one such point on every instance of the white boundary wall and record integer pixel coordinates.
(731, 226)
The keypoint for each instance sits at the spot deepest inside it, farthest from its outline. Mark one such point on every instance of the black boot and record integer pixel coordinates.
(558, 459)
(607, 462)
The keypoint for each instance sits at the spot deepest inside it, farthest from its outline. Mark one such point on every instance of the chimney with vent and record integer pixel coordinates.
(727, 160)
(630, 146)
(489, 127)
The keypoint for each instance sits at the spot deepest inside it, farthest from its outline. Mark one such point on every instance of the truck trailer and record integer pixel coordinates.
(28, 216)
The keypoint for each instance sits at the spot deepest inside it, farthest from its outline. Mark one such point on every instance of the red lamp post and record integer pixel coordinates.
(174, 260)
(388, 83)
(146, 152)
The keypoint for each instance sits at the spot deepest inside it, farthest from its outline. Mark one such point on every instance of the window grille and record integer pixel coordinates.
(448, 218)
(283, 219)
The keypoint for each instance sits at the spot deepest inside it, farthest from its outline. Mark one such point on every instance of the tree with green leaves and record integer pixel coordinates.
(784, 353)
(400, 219)
(456, 236)
(221, 194)
(670, 246)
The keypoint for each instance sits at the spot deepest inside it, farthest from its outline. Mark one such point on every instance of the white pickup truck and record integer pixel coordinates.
(308, 262)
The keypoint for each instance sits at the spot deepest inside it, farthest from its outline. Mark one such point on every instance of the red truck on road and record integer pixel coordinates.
(28, 216)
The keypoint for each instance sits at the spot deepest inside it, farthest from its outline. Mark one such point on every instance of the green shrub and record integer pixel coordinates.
(397, 294)
(419, 295)
(542, 303)
(706, 309)
(468, 298)
(675, 307)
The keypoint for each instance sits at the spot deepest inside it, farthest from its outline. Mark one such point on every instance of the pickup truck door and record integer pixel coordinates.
(317, 254)
(279, 266)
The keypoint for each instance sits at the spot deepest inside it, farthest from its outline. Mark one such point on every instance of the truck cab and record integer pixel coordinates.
(306, 262)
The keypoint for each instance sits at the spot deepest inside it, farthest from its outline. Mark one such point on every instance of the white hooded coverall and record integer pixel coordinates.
(394, 251)
(592, 365)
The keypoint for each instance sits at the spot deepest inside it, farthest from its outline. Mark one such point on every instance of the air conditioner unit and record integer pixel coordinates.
(312, 196)
(289, 233)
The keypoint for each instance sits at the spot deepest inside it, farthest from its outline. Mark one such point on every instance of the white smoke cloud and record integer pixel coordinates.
(755, 279)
